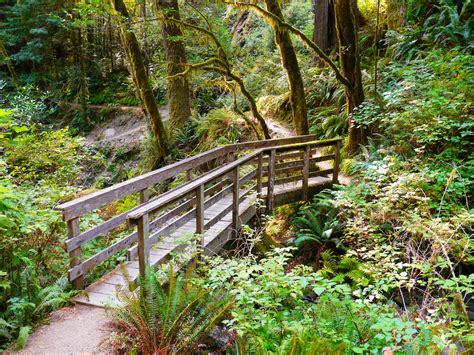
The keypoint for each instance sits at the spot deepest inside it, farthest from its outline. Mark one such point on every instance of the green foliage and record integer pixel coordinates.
(55, 161)
(29, 105)
(32, 259)
(160, 318)
(218, 127)
(30, 27)
(115, 90)
(317, 222)
(279, 312)
(347, 269)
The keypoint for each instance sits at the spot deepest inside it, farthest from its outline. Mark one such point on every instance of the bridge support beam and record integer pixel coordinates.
(235, 201)
(337, 157)
(307, 153)
(73, 230)
(200, 213)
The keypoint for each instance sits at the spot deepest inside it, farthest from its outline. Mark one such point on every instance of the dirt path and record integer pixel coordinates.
(127, 127)
(71, 330)
(277, 129)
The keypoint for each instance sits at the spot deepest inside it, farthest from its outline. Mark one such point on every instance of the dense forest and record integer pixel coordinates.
(96, 92)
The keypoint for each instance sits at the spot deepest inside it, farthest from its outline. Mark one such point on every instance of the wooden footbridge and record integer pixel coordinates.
(219, 195)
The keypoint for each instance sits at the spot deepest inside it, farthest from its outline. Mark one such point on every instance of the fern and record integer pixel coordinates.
(54, 296)
(5, 329)
(346, 270)
(22, 337)
(168, 318)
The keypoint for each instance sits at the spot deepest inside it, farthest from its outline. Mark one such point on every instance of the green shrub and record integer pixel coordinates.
(55, 157)
(278, 311)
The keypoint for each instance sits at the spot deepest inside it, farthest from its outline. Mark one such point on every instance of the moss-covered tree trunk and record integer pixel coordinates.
(178, 86)
(290, 63)
(134, 55)
(6, 60)
(347, 27)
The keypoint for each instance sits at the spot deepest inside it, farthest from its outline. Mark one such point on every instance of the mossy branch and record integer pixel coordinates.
(220, 64)
(275, 21)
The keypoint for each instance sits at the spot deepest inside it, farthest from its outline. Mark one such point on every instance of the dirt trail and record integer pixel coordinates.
(128, 127)
(71, 330)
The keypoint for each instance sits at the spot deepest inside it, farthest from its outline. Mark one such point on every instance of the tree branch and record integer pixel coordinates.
(276, 21)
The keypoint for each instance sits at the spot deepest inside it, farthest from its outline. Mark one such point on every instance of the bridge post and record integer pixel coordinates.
(271, 180)
(230, 157)
(307, 153)
(73, 230)
(143, 196)
(335, 174)
(143, 230)
(200, 213)
(235, 201)
(259, 175)
(189, 174)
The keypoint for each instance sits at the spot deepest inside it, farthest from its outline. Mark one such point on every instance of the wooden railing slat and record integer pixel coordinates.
(174, 194)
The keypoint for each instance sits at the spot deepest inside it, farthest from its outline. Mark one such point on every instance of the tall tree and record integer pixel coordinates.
(347, 28)
(134, 55)
(324, 34)
(350, 59)
(178, 86)
(290, 63)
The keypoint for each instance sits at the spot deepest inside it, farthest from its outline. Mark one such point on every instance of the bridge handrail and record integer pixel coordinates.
(73, 210)
(175, 194)
(98, 199)
(139, 216)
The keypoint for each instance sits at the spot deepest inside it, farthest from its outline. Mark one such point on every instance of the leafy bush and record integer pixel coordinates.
(32, 259)
(56, 157)
(33, 262)
(277, 311)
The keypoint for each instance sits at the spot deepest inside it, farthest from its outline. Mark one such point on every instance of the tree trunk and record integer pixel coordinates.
(143, 15)
(253, 104)
(324, 34)
(396, 10)
(290, 63)
(346, 24)
(132, 49)
(178, 87)
(7, 62)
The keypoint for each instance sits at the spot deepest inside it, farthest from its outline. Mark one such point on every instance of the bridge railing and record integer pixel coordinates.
(258, 172)
(72, 211)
